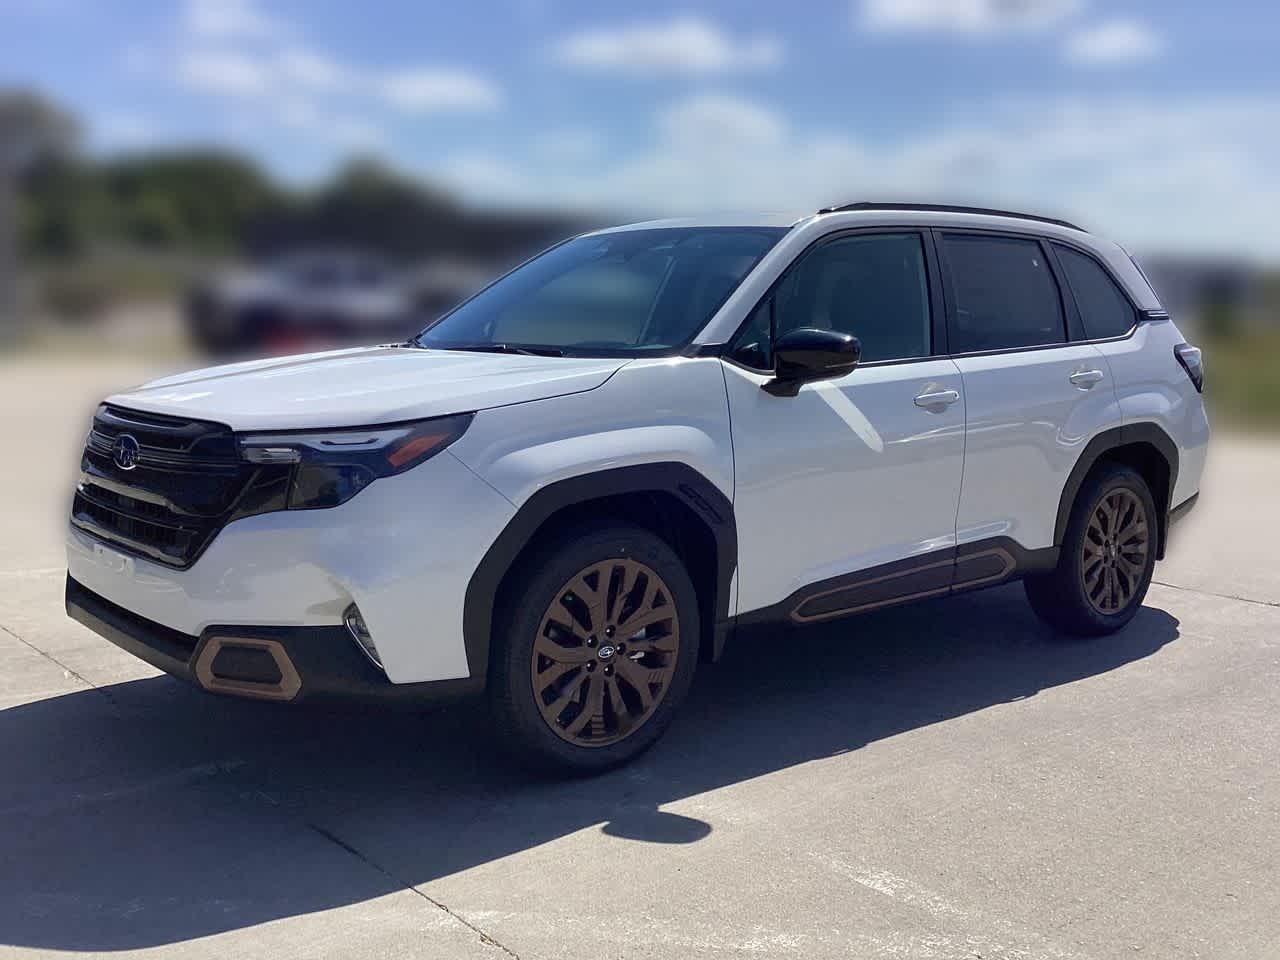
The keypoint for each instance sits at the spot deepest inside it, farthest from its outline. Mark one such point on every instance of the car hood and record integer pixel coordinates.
(368, 385)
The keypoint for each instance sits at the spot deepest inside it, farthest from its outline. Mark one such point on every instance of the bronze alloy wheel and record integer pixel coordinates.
(1115, 548)
(605, 652)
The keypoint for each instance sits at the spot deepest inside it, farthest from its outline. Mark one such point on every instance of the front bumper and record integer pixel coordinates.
(319, 664)
(403, 550)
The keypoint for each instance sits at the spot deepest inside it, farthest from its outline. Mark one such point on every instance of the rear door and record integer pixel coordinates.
(1033, 397)
(859, 471)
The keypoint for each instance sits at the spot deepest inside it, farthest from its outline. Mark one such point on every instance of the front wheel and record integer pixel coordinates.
(596, 647)
(1107, 560)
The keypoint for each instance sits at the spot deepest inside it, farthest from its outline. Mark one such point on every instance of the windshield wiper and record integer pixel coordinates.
(520, 348)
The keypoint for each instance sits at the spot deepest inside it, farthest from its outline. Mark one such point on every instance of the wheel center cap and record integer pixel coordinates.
(606, 651)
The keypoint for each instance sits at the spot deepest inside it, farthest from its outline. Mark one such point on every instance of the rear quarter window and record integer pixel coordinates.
(1104, 309)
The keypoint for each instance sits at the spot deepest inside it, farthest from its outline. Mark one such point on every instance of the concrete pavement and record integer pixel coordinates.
(934, 781)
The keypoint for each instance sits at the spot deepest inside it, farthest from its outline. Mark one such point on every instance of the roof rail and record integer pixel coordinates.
(948, 208)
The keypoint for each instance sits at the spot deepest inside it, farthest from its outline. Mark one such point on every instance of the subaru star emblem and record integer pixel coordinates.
(125, 452)
(606, 652)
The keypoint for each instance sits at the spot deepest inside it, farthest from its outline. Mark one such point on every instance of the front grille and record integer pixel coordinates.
(187, 482)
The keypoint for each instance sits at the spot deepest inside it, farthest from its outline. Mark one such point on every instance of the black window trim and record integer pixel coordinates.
(937, 310)
(940, 295)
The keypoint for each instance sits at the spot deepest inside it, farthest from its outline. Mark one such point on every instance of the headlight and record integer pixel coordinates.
(329, 467)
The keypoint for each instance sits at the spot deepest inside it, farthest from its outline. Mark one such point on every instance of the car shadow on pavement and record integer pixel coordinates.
(148, 813)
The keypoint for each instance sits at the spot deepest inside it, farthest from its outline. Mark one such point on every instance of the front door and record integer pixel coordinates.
(857, 472)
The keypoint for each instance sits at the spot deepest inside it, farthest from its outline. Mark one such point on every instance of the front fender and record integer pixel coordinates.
(657, 425)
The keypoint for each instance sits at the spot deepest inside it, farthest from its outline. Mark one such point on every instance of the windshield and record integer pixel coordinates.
(614, 294)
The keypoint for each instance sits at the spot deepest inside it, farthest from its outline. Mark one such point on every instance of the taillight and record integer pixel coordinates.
(1192, 362)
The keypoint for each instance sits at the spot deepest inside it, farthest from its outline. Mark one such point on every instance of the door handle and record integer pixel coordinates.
(1086, 378)
(937, 398)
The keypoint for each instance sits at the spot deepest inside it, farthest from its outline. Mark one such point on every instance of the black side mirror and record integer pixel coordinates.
(807, 354)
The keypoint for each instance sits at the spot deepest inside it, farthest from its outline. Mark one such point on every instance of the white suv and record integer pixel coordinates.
(580, 480)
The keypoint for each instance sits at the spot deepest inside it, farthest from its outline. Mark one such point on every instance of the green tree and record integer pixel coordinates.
(30, 128)
(196, 199)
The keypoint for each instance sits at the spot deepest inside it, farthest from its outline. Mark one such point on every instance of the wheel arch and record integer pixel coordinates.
(671, 499)
(1146, 448)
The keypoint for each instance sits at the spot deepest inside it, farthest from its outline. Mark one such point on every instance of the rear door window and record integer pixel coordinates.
(1003, 294)
(1104, 309)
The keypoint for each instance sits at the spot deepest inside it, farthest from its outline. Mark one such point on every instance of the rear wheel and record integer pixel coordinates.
(596, 647)
(1107, 559)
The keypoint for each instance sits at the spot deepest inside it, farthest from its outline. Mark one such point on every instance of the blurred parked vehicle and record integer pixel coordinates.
(319, 295)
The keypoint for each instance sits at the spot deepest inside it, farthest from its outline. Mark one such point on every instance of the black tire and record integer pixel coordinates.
(522, 615)
(1062, 597)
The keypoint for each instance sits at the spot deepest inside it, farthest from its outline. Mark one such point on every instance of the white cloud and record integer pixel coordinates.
(284, 75)
(235, 48)
(354, 134)
(227, 19)
(1115, 41)
(298, 114)
(291, 75)
(137, 59)
(720, 122)
(487, 178)
(311, 70)
(224, 72)
(123, 130)
(685, 44)
(963, 16)
(325, 126)
(1153, 173)
(567, 145)
(429, 89)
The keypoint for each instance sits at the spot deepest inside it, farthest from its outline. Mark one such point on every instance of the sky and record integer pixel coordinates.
(1156, 123)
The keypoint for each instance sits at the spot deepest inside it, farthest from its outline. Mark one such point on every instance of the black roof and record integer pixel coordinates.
(947, 208)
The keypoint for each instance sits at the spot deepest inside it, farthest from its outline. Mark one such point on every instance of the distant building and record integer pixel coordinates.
(1189, 285)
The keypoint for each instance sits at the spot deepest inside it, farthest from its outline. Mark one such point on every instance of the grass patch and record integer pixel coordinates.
(1242, 378)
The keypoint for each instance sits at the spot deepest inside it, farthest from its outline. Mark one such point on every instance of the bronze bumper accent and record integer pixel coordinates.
(286, 688)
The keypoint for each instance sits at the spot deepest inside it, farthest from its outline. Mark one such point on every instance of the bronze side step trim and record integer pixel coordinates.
(984, 568)
(934, 579)
(916, 583)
